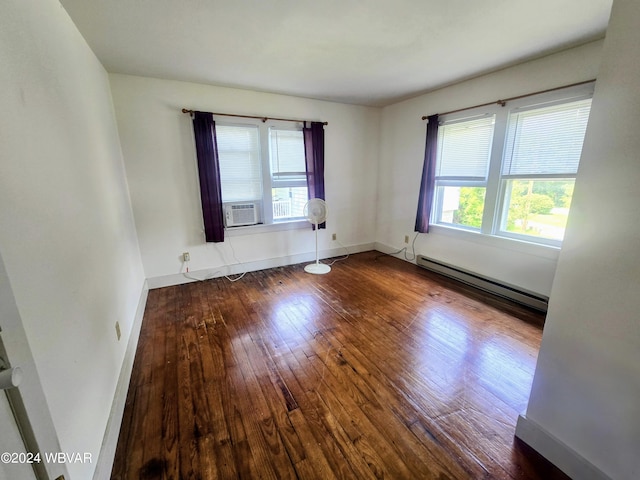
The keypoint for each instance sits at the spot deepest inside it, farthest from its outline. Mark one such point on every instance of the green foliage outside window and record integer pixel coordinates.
(471, 207)
(539, 208)
(535, 207)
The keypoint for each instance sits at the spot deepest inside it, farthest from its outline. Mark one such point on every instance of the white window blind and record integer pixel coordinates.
(464, 148)
(546, 140)
(287, 154)
(240, 167)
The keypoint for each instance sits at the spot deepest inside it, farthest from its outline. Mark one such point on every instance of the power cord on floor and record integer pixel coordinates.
(342, 258)
(185, 266)
(238, 262)
(185, 263)
(403, 250)
(186, 274)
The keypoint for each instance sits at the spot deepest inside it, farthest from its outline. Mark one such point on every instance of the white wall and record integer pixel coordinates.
(586, 389)
(158, 147)
(401, 157)
(67, 234)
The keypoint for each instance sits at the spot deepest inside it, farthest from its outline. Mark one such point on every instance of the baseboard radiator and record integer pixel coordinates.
(511, 292)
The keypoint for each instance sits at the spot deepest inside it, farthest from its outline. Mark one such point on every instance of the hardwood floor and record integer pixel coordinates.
(379, 369)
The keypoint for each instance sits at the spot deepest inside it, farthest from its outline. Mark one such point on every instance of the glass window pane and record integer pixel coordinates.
(240, 167)
(464, 148)
(537, 208)
(288, 202)
(287, 154)
(461, 206)
(546, 140)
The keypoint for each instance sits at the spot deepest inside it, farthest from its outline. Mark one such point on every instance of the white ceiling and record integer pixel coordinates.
(369, 52)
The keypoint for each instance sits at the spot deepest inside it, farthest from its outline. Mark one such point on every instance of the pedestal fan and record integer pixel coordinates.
(315, 211)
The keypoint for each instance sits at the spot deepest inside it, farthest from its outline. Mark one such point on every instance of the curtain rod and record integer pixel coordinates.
(264, 119)
(502, 103)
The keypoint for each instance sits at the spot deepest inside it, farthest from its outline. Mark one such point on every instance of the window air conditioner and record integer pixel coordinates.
(238, 214)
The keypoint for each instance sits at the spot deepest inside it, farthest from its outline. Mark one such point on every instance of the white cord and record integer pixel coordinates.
(343, 258)
(187, 275)
(413, 249)
(185, 264)
(403, 250)
(238, 262)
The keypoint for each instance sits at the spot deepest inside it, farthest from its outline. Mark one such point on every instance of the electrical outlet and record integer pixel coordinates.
(334, 236)
(118, 330)
(186, 257)
(406, 239)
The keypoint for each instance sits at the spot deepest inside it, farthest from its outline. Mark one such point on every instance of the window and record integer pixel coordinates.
(262, 165)
(288, 173)
(542, 152)
(464, 150)
(240, 167)
(510, 171)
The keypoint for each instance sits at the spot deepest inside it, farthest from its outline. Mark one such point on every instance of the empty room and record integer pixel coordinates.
(319, 239)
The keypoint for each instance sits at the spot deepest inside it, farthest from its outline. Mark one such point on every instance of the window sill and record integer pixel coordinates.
(517, 245)
(262, 228)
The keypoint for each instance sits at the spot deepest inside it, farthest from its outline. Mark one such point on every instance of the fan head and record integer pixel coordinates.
(315, 211)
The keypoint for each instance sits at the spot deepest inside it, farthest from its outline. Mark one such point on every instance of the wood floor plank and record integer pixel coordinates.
(268, 452)
(471, 434)
(169, 423)
(338, 365)
(188, 431)
(376, 419)
(327, 458)
(378, 369)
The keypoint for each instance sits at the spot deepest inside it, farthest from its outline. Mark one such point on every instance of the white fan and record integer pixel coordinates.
(315, 211)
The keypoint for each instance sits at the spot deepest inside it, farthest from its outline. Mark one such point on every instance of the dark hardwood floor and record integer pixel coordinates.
(379, 369)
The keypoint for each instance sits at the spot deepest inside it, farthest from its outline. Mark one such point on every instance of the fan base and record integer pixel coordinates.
(317, 268)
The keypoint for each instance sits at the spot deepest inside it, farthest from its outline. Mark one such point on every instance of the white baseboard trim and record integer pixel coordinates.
(205, 274)
(104, 464)
(557, 452)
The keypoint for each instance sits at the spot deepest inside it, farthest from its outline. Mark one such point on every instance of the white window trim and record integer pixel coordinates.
(283, 226)
(503, 243)
(494, 196)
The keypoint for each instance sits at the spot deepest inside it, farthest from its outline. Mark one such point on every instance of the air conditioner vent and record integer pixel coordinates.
(238, 214)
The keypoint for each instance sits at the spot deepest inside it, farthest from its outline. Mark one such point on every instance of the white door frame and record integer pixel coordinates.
(18, 439)
(29, 401)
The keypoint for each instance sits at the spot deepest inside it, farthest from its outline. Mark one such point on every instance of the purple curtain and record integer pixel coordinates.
(204, 130)
(427, 184)
(314, 156)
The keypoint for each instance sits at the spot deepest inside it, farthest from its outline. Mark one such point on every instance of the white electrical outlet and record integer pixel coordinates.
(186, 257)
(334, 236)
(406, 239)
(118, 330)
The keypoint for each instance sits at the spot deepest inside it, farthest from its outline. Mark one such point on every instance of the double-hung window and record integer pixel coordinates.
(288, 173)
(240, 165)
(510, 171)
(262, 171)
(464, 150)
(541, 158)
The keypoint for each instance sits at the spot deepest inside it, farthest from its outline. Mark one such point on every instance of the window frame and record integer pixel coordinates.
(496, 183)
(301, 180)
(265, 204)
(461, 181)
(259, 154)
(298, 179)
